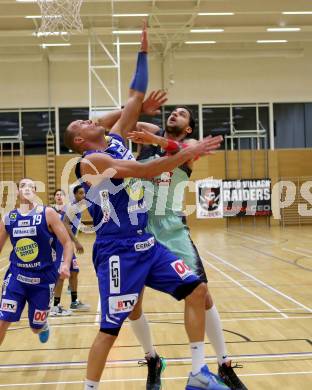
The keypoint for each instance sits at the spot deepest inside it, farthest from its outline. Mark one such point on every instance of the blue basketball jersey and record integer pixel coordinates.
(116, 206)
(33, 243)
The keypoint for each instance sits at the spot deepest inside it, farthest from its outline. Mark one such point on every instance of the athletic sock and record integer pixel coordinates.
(74, 296)
(142, 332)
(91, 385)
(215, 334)
(198, 356)
(57, 300)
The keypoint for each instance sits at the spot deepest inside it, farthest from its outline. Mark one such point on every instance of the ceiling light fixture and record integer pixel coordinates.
(127, 32)
(297, 13)
(207, 30)
(199, 42)
(130, 15)
(283, 29)
(215, 13)
(45, 45)
(272, 41)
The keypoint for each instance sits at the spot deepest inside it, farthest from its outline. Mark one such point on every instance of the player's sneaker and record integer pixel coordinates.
(227, 374)
(204, 380)
(79, 306)
(155, 368)
(44, 333)
(59, 311)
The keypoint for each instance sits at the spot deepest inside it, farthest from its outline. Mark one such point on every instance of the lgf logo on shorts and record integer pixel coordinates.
(122, 303)
(8, 305)
(183, 270)
(40, 316)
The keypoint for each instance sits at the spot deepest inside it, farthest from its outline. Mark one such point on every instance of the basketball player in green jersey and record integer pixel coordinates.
(167, 223)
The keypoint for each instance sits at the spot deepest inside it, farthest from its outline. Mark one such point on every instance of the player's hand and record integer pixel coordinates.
(64, 271)
(78, 247)
(153, 102)
(207, 146)
(144, 41)
(143, 137)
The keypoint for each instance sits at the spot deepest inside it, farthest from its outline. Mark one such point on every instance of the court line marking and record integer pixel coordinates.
(113, 363)
(249, 236)
(78, 325)
(173, 378)
(295, 252)
(246, 289)
(268, 286)
(304, 249)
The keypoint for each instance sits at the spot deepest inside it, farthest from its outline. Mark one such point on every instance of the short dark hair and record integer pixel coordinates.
(57, 190)
(192, 123)
(77, 188)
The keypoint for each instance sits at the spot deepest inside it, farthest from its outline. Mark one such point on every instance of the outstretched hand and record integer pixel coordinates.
(142, 137)
(153, 102)
(207, 146)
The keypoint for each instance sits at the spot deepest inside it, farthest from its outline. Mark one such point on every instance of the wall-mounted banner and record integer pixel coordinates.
(246, 197)
(209, 198)
(230, 198)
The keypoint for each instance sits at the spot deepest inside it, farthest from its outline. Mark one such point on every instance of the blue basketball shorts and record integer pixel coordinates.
(74, 266)
(19, 289)
(125, 266)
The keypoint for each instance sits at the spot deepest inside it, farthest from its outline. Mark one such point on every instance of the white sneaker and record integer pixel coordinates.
(59, 311)
(79, 306)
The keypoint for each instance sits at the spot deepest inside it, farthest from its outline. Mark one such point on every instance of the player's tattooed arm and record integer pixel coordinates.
(57, 227)
(3, 235)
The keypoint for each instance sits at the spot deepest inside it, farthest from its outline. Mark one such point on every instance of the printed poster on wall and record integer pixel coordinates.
(209, 198)
(246, 197)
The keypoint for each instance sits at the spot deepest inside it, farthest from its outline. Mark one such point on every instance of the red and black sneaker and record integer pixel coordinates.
(227, 374)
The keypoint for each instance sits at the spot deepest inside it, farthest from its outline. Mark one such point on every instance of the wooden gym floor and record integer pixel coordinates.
(260, 279)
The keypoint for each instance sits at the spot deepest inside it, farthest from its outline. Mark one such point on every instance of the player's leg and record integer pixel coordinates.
(214, 331)
(57, 309)
(171, 275)
(12, 303)
(76, 304)
(39, 298)
(4, 325)
(119, 292)
(142, 331)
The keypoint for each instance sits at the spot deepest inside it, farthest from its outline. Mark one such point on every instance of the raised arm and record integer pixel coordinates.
(97, 167)
(138, 87)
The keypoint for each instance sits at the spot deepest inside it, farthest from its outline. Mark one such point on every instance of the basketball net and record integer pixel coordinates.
(60, 17)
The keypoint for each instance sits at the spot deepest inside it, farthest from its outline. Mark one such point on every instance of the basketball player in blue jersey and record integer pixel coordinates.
(72, 221)
(167, 223)
(126, 257)
(64, 210)
(31, 275)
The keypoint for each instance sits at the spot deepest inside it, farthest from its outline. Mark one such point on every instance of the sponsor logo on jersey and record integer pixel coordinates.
(144, 245)
(25, 232)
(13, 216)
(26, 249)
(8, 305)
(25, 222)
(114, 275)
(29, 265)
(105, 205)
(26, 279)
(182, 269)
(134, 188)
(40, 316)
(122, 303)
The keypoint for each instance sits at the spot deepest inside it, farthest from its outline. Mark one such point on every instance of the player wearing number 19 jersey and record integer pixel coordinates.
(31, 275)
